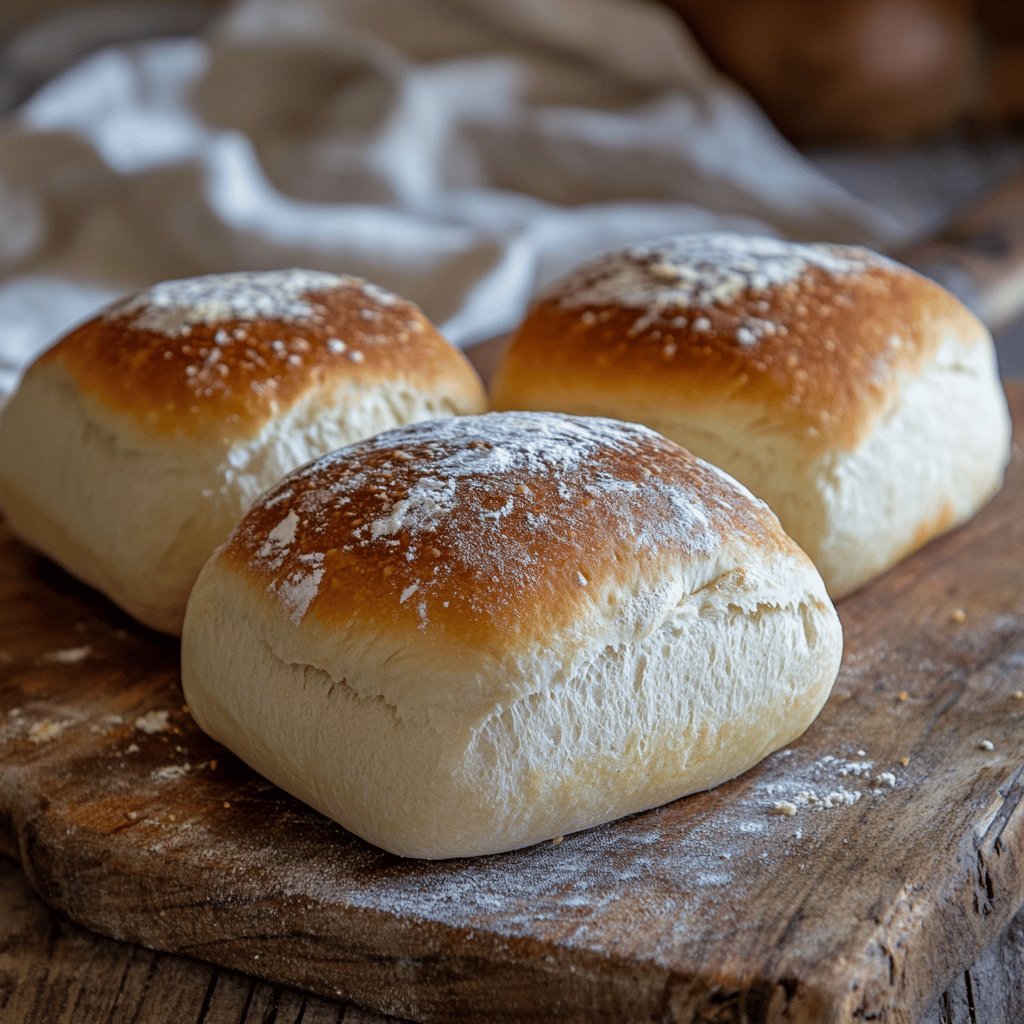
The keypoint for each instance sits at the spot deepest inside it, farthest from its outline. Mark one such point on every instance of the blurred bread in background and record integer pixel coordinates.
(1002, 102)
(869, 70)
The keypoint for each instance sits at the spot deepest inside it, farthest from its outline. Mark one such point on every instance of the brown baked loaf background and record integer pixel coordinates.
(869, 70)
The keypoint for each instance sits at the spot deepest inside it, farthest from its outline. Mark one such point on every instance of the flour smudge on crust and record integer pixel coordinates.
(477, 510)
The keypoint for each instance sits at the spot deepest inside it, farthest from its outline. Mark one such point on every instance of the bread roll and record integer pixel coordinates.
(859, 399)
(134, 445)
(846, 70)
(474, 634)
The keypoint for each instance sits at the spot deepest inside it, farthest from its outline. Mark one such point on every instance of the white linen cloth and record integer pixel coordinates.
(460, 152)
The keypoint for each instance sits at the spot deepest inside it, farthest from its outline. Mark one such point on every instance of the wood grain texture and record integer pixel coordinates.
(991, 991)
(710, 909)
(53, 971)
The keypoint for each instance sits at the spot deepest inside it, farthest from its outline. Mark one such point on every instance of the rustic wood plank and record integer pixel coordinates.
(27, 957)
(50, 967)
(990, 991)
(229, 998)
(354, 1015)
(997, 979)
(708, 909)
(52, 970)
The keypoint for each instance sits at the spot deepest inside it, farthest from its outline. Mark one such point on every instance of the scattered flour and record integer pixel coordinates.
(488, 498)
(106, 724)
(790, 796)
(659, 869)
(214, 328)
(845, 768)
(153, 722)
(68, 656)
(297, 591)
(280, 536)
(46, 730)
(172, 307)
(670, 279)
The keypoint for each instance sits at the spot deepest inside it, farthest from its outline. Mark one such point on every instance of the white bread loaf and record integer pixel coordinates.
(134, 445)
(478, 633)
(857, 398)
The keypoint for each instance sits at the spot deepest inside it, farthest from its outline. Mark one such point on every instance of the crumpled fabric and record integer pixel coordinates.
(460, 152)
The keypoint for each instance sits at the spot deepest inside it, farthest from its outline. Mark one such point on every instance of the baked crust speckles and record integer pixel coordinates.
(224, 353)
(483, 522)
(814, 336)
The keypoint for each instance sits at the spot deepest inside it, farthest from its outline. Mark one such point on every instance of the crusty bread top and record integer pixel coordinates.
(227, 352)
(500, 528)
(814, 336)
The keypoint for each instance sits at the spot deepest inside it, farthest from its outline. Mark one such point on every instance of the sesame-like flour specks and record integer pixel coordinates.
(673, 282)
(172, 308)
(252, 342)
(479, 509)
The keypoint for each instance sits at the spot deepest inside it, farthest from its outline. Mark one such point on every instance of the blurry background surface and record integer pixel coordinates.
(870, 70)
(464, 152)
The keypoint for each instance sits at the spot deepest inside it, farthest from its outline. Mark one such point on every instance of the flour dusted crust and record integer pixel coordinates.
(228, 352)
(135, 443)
(859, 399)
(477, 633)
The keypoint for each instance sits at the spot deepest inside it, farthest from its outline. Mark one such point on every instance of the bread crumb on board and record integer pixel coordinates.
(106, 725)
(68, 655)
(824, 794)
(1018, 694)
(958, 615)
(153, 722)
(45, 730)
(835, 798)
(986, 745)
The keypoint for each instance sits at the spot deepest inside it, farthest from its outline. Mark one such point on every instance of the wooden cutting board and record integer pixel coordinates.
(903, 859)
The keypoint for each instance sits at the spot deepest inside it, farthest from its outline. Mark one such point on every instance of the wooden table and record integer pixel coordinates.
(52, 970)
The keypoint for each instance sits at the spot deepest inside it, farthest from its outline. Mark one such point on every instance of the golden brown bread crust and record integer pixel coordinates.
(814, 338)
(491, 529)
(216, 373)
